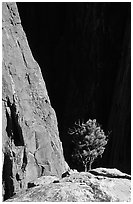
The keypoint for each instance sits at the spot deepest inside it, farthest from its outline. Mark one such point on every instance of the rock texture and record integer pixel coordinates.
(112, 186)
(31, 145)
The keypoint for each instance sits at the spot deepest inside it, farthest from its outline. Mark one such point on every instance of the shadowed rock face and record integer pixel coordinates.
(101, 185)
(30, 139)
(84, 53)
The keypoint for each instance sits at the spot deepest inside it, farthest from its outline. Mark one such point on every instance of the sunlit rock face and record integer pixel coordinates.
(30, 139)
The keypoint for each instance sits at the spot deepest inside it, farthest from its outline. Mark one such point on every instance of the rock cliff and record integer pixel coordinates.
(30, 140)
(99, 185)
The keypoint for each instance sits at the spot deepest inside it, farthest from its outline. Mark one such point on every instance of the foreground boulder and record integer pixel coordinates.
(30, 139)
(113, 186)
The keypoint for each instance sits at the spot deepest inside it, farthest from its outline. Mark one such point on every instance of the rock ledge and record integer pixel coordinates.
(79, 187)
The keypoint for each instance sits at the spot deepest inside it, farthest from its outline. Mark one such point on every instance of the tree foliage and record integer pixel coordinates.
(89, 142)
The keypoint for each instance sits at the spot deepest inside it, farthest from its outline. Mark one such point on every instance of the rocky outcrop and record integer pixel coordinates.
(103, 185)
(31, 145)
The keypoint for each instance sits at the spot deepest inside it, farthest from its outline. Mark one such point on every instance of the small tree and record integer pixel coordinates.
(89, 142)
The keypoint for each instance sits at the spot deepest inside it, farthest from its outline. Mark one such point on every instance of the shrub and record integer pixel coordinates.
(89, 142)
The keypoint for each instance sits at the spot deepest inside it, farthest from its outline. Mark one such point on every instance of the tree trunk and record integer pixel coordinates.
(90, 163)
(85, 167)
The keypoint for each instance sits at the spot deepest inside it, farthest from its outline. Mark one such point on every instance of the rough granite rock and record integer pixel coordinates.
(31, 145)
(79, 187)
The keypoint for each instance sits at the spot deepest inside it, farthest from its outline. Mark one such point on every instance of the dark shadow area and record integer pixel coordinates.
(13, 128)
(24, 161)
(31, 185)
(83, 50)
(7, 177)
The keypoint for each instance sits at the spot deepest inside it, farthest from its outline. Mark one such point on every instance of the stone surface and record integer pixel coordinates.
(79, 187)
(31, 145)
(114, 173)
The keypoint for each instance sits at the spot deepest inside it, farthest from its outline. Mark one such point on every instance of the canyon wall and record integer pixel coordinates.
(30, 140)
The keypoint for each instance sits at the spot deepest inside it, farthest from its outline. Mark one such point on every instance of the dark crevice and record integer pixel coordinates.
(7, 176)
(42, 171)
(13, 128)
(28, 78)
(24, 161)
(18, 177)
(31, 185)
